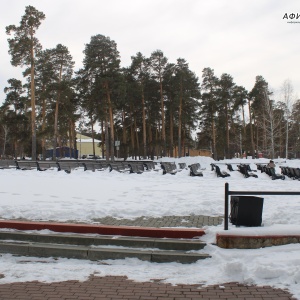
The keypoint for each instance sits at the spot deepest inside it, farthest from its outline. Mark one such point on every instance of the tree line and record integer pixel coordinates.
(152, 107)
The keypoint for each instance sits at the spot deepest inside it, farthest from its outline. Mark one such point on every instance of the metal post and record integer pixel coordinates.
(226, 206)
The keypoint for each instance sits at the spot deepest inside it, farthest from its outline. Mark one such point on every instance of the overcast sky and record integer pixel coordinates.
(243, 38)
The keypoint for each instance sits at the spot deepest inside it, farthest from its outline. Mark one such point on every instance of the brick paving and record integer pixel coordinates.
(197, 221)
(119, 287)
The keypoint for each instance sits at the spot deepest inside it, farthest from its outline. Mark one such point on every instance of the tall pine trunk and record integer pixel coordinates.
(107, 143)
(227, 133)
(111, 121)
(251, 130)
(56, 115)
(171, 133)
(137, 152)
(33, 115)
(43, 126)
(150, 140)
(124, 136)
(132, 130)
(102, 138)
(55, 126)
(144, 125)
(244, 130)
(179, 120)
(93, 137)
(163, 127)
(70, 139)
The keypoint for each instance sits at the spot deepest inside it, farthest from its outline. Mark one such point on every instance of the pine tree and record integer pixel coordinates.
(240, 98)
(257, 110)
(170, 89)
(44, 81)
(158, 63)
(295, 128)
(188, 95)
(14, 117)
(63, 67)
(91, 96)
(23, 48)
(140, 69)
(209, 107)
(102, 63)
(226, 90)
(133, 108)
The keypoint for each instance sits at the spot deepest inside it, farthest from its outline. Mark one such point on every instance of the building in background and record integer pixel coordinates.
(85, 146)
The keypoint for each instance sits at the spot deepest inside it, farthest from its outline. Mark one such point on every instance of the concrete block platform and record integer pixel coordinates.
(228, 241)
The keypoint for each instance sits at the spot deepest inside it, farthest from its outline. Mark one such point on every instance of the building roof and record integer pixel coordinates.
(81, 138)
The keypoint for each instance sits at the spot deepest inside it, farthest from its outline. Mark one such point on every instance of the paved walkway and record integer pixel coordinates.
(113, 288)
(118, 287)
(197, 221)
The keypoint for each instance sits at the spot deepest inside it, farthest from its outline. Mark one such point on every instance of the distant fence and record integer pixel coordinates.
(228, 192)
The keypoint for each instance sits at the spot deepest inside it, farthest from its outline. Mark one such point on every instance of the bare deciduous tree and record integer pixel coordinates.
(287, 94)
(272, 124)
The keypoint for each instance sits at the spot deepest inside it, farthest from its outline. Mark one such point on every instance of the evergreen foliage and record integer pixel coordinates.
(153, 107)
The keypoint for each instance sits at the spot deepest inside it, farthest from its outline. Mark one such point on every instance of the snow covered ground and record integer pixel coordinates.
(86, 196)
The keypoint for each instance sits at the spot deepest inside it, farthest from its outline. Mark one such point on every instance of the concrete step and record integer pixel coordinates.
(133, 242)
(101, 247)
(97, 253)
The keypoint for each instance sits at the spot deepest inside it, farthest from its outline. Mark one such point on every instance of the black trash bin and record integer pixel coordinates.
(246, 210)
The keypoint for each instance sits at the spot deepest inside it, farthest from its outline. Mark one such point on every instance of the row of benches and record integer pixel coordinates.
(245, 169)
(69, 165)
(137, 167)
(293, 173)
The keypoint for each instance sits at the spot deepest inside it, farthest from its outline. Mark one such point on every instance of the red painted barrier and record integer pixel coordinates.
(105, 230)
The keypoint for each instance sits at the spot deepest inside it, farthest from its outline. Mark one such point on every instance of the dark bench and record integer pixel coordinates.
(182, 166)
(136, 167)
(249, 168)
(7, 164)
(69, 165)
(27, 165)
(121, 167)
(44, 165)
(219, 173)
(94, 165)
(150, 166)
(195, 170)
(260, 167)
(168, 168)
(293, 173)
(174, 166)
(229, 167)
(244, 169)
(287, 171)
(284, 171)
(199, 166)
(297, 172)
